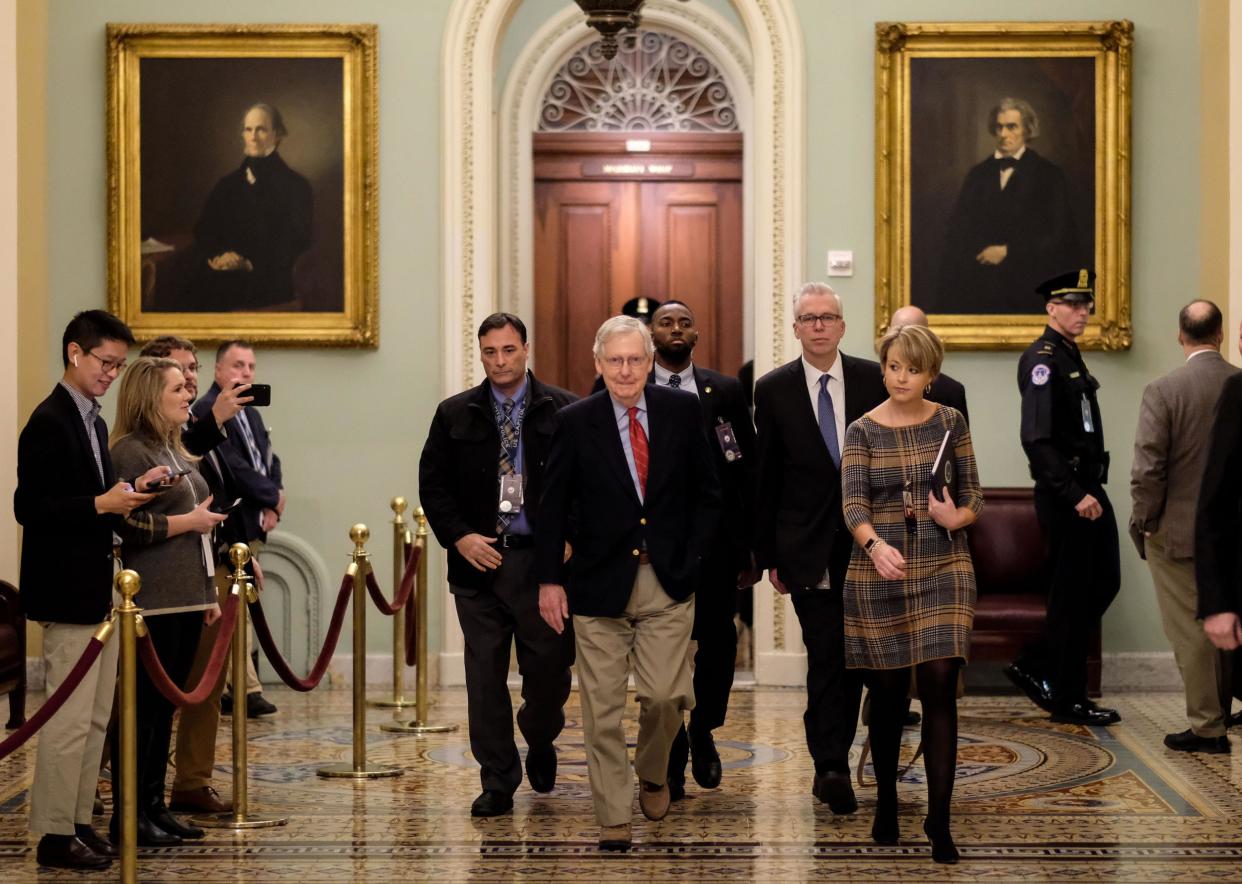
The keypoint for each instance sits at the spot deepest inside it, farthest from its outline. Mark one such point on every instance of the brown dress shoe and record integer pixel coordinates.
(654, 800)
(614, 837)
(68, 852)
(201, 800)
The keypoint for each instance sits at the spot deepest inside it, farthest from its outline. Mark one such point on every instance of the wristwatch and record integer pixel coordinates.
(871, 543)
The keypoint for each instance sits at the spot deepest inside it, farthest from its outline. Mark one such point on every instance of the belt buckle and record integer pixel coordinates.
(504, 541)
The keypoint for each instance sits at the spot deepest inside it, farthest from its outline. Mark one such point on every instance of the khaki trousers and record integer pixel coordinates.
(71, 743)
(195, 754)
(654, 636)
(1206, 671)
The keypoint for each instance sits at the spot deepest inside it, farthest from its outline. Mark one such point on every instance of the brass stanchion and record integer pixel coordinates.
(360, 769)
(240, 816)
(400, 535)
(422, 695)
(127, 583)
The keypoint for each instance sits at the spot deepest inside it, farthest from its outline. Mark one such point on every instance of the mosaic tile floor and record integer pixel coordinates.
(1034, 801)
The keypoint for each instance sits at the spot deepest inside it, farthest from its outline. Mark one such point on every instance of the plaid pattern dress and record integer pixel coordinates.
(892, 624)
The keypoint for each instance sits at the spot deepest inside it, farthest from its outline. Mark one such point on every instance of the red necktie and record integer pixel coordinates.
(638, 444)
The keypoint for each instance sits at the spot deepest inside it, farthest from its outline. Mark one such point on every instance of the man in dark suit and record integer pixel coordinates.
(69, 501)
(944, 389)
(801, 411)
(1013, 225)
(1218, 524)
(256, 474)
(479, 479)
(730, 566)
(631, 486)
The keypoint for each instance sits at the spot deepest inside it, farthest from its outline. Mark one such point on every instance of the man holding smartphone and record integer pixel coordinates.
(69, 500)
(255, 469)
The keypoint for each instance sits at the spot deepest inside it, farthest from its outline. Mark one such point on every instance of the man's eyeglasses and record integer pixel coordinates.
(109, 365)
(634, 362)
(1085, 306)
(813, 319)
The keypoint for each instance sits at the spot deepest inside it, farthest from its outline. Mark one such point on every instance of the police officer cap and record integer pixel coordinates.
(1077, 286)
(640, 308)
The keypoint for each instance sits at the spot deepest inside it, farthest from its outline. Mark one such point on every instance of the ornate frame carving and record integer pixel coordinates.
(1109, 44)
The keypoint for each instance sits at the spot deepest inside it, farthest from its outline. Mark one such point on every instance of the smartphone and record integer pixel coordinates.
(167, 483)
(232, 506)
(261, 393)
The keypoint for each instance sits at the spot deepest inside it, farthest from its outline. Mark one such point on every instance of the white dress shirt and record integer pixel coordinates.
(836, 389)
(662, 375)
(1006, 174)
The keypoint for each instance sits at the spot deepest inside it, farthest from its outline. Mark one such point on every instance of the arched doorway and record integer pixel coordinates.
(637, 194)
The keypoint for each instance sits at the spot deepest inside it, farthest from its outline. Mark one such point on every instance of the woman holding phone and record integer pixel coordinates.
(909, 594)
(168, 542)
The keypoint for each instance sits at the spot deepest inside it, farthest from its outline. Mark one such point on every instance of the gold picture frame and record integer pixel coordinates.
(182, 211)
(939, 86)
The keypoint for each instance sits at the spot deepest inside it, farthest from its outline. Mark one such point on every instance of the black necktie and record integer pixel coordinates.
(674, 381)
(1007, 162)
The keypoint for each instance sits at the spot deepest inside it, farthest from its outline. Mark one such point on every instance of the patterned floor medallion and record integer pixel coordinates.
(1033, 801)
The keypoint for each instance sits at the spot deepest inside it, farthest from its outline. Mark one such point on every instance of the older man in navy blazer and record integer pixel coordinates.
(631, 486)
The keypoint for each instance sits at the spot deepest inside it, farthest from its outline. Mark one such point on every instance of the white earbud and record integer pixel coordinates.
(75, 362)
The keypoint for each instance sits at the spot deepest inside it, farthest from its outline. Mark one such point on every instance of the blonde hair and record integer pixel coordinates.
(138, 405)
(915, 344)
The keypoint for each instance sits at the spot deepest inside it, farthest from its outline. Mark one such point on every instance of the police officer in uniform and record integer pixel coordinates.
(1064, 442)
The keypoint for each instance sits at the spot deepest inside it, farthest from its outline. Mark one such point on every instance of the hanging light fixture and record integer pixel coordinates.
(610, 17)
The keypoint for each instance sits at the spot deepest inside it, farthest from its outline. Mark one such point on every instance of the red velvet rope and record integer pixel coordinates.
(211, 675)
(403, 594)
(54, 702)
(411, 615)
(279, 663)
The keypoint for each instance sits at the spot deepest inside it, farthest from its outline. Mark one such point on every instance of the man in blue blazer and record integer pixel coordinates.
(631, 486)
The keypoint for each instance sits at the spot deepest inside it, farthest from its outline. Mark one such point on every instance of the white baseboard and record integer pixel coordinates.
(379, 673)
(452, 669)
(780, 669)
(1140, 671)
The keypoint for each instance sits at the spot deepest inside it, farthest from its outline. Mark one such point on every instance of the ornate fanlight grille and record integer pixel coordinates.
(656, 83)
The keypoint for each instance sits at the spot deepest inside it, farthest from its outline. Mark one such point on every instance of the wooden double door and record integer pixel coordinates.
(611, 226)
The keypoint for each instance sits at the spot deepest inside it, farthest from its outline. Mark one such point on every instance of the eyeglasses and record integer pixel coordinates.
(1085, 306)
(108, 365)
(616, 362)
(813, 319)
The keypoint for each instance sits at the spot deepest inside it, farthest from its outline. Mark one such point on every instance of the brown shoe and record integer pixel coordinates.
(201, 800)
(614, 837)
(654, 800)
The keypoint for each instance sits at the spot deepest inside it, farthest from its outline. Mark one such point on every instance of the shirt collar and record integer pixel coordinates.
(1200, 353)
(1017, 156)
(620, 410)
(519, 396)
(87, 405)
(662, 374)
(813, 374)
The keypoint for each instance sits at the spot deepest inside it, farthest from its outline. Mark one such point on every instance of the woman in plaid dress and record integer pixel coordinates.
(910, 590)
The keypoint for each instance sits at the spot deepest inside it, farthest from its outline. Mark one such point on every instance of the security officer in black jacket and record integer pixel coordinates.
(480, 478)
(1063, 437)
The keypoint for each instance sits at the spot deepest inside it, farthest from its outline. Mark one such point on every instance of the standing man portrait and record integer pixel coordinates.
(1012, 226)
(801, 411)
(257, 480)
(1062, 434)
(631, 487)
(1170, 450)
(69, 503)
(479, 478)
(730, 566)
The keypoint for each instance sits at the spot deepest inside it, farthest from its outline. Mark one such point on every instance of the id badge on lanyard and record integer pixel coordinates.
(1088, 425)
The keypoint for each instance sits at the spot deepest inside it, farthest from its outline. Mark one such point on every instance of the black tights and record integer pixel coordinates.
(937, 685)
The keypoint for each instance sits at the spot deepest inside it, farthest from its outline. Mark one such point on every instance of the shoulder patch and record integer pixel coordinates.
(1040, 374)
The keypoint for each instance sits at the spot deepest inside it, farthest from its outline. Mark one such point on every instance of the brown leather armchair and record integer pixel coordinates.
(13, 654)
(1010, 554)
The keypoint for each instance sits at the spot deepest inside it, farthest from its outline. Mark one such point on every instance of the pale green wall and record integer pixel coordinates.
(328, 399)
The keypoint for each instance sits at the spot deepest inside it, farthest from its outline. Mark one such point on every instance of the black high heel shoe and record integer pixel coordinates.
(942, 846)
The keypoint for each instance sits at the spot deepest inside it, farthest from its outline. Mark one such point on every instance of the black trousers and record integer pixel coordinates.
(715, 604)
(175, 638)
(1086, 576)
(832, 691)
(491, 620)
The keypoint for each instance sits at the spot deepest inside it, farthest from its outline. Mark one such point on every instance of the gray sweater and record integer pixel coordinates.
(174, 575)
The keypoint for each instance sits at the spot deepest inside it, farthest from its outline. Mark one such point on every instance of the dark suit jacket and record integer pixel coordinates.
(589, 500)
(66, 569)
(721, 401)
(1218, 517)
(800, 531)
(949, 392)
(457, 474)
(258, 492)
(201, 437)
